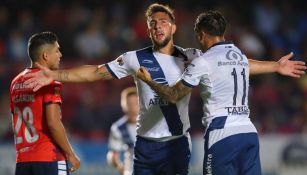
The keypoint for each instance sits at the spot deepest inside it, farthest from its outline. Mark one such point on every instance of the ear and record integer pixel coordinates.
(202, 35)
(174, 28)
(45, 56)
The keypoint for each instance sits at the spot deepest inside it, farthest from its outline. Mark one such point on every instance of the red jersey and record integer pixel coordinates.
(33, 139)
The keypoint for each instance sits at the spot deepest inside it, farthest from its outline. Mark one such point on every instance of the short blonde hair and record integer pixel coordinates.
(154, 8)
(125, 94)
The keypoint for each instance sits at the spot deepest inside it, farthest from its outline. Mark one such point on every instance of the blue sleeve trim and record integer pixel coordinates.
(110, 71)
(187, 84)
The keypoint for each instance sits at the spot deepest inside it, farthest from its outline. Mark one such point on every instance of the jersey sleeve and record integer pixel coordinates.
(53, 93)
(195, 71)
(192, 53)
(121, 66)
(115, 140)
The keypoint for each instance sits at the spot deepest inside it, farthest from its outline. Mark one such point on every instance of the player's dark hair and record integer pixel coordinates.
(211, 22)
(37, 40)
(154, 8)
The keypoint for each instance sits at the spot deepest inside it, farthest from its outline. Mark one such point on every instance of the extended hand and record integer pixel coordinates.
(291, 68)
(143, 74)
(40, 78)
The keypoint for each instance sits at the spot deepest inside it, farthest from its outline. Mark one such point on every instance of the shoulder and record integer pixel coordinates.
(126, 57)
(192, 53)
(201, 61)
(120, 122)
(134, 53)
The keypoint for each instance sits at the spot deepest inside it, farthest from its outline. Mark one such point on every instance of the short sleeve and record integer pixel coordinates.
(122, 66)
(53, 93)
(192, 53)
(194, 72)
(115, 139)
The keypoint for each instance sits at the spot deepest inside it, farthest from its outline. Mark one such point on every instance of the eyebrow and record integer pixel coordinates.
(160, 19)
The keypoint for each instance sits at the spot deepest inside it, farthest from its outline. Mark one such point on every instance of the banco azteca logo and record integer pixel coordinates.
(234, 55)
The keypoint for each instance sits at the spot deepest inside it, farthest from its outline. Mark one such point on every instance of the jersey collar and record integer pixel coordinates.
(220, 43)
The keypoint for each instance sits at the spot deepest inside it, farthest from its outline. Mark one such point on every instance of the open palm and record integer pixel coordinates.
(40, 78)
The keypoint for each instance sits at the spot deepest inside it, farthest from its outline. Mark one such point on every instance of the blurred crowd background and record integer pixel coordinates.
(96, 32)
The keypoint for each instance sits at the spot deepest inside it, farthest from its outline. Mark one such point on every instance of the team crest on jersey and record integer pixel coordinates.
(187, 70)
(120, 61)
(57, 91)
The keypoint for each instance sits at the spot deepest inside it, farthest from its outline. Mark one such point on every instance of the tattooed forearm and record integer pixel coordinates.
(63, 75)
(164, 91)
(104, 75)
(171, 94)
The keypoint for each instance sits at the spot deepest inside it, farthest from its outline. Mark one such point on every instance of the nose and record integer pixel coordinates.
(157, 25)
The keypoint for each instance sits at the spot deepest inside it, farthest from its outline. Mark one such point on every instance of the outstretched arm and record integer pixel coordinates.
(284, 66)
(171, 94)
(86, 73)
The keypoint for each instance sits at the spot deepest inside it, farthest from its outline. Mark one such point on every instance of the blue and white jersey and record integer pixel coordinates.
(158, 119)
(122, 138)
(223, 74)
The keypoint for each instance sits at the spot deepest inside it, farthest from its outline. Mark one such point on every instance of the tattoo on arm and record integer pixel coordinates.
(104, 74)
(63, 75)
(171, 94)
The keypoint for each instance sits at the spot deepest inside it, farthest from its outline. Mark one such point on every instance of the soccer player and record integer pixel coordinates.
(231, 141)
(123, 133)
(163, 142)
(42, 147)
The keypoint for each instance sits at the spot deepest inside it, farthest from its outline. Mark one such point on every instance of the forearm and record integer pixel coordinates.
(59, 136)
(86, 73)
(262, 67)
(164, 91)
(114, 160)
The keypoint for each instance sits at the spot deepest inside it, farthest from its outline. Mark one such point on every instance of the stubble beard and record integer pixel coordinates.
(162, 44)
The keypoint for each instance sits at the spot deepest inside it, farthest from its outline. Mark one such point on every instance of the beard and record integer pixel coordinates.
(159, 45)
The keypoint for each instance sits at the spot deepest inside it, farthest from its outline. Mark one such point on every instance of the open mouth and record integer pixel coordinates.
(159, 35)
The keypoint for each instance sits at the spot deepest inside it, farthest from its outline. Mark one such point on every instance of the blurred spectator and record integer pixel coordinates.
(17, 46)
(90, 42)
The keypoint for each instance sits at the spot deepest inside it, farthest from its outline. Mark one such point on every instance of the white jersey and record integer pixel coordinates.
(122, 138)
(223, 74)
(158, 119)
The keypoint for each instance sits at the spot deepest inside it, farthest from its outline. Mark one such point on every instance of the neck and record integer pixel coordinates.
(213, 40)
(40, 62)
(168, 49)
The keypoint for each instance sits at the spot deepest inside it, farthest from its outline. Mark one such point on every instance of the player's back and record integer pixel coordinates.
(32, 137)
(226, 82)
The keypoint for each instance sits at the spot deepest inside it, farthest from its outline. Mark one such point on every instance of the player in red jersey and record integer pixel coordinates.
(42, 147)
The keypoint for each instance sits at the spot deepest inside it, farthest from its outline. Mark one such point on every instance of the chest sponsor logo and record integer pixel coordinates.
(147, 61)
(157, 100)
(153, 69)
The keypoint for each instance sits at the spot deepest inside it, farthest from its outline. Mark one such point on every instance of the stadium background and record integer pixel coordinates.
(96, 31)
